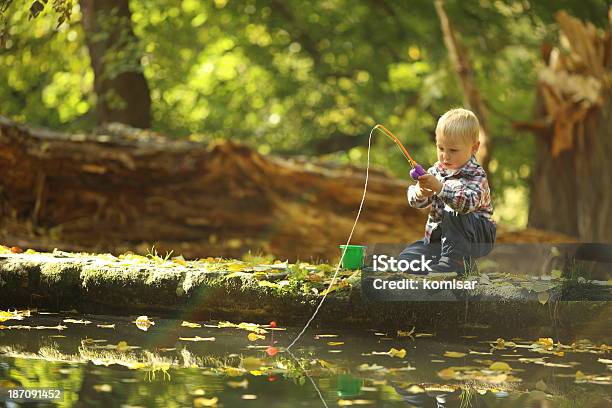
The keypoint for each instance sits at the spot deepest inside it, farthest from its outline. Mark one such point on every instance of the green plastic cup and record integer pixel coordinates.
(353, 258)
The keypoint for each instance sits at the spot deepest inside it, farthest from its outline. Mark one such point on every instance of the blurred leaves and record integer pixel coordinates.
(296, 78)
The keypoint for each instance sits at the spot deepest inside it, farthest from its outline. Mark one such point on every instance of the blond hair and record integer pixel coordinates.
(460, 123)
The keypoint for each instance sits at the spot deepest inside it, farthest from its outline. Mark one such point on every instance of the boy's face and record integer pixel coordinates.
(454, 152)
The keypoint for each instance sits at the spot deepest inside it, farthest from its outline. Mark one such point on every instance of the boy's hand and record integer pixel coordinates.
(422, 193)
(430, 182)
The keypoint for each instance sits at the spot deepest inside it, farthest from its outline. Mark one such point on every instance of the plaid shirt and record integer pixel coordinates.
(465, 190)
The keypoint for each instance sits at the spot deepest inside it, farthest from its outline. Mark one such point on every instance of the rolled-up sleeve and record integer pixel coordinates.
(414, 202)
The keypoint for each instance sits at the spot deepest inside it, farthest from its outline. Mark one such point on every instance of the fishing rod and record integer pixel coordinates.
(415, 173)
(417, 169)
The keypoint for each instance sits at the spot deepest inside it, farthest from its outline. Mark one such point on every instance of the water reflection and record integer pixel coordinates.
(177, 365)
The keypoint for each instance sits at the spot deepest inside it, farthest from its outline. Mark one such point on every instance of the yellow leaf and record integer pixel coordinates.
(447, 374)
(545, 342)
(255, 337)
(235, 267)
(454, 354)
(122, 346)
(397, 353)
(251, 327)
(189, 324)
(239, 384)
(4, 316)
(205, 402)
(233, 371)
(179, 260)
(103, 388)
(76, 321)
(197, 338)
(401, 333)
(580, 376)
(143, 323)
(335, 343)
(500, 366)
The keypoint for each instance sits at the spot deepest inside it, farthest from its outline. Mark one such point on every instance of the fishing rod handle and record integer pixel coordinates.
(417, 172)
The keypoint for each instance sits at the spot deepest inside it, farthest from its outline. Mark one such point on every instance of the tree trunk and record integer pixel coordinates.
(122, 90)
(570, 186)
(471, 95)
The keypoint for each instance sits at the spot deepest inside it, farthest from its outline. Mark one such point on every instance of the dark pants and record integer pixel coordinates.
(458, 236)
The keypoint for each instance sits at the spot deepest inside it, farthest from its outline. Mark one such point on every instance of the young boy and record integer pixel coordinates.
(459, 225)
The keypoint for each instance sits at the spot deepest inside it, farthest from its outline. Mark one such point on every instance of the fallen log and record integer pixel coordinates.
(126, 189)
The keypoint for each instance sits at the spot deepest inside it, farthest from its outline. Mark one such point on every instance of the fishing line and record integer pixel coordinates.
(416, 170)
(309, 377)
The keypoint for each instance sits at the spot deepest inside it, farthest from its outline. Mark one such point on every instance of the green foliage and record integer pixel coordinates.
(298, 77)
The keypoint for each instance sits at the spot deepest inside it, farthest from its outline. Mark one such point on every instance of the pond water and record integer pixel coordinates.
(109, 361)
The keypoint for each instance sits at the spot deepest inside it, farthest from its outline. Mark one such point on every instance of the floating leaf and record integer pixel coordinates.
(197, 338)
(447, 374)
(103, 388)
(249, 397)
(122, 346)
(500, 366)
(397, 353)
(205, 402)
(346, 403)
(106, 326)
(401, 333)
(454, 354)
(4, 316)
(239, 384)
(335, 343)
(255, 337)
(189, 324)
(367, 367)
(143, 323)
(546, 342)
(76, 321)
